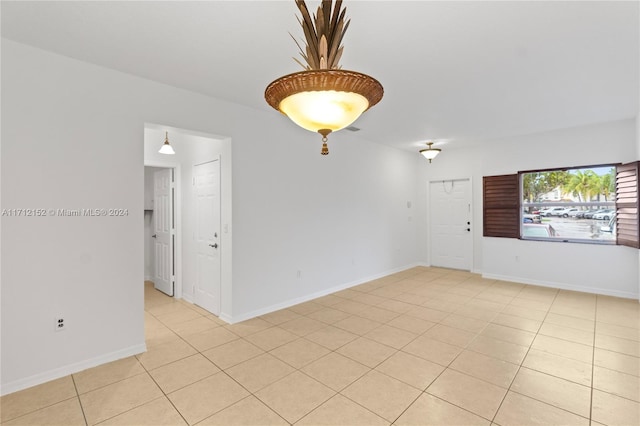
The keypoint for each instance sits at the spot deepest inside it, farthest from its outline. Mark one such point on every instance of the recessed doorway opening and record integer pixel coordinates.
(190, 211)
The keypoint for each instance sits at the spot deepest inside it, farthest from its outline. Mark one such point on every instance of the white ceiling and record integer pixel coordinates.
(455, 72)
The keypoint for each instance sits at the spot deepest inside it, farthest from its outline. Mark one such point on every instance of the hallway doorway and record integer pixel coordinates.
(200, 229)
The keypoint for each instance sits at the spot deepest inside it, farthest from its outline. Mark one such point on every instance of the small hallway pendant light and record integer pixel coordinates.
(430, 153)
(324, 98)
(166, 148)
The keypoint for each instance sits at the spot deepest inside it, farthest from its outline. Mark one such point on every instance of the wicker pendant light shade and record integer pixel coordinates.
(323, 98)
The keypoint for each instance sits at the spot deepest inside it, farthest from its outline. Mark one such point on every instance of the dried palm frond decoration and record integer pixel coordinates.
(323, 34)
(323, 98)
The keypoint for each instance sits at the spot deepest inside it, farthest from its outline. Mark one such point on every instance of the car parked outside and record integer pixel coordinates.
(605, 215)
(581, 213)
(591, 213)
(556, 211)
(568, 212)
(538, 230)
(611, 226)
(576, 213)
(543, 212)
(553, 211)
(530, 218)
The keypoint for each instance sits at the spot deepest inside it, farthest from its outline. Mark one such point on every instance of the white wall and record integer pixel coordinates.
(72, 137)
(594, 268)
(338, 219)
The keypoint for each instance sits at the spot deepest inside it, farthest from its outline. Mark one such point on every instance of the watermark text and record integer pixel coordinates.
(37, 212)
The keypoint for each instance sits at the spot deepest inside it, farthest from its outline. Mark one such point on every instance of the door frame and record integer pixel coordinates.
(226, 213)
(177, 217)
(471, 214)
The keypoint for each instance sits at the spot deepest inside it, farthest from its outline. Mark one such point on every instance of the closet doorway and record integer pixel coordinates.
(160, 228)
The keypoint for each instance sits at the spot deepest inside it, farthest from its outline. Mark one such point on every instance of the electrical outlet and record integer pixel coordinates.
(60, 324)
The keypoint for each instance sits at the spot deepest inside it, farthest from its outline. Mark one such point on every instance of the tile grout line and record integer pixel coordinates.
(221, 370)
(439, 322)
(373, 368)
(421, 392)
(523, 358)
(454, 285)
(548, 374)
(593, 362)
(339, 392)
(449, 313)
(164, 394)
(448, 366)
(84, 416)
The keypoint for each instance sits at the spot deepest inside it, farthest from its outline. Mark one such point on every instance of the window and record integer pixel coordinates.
(552, 204)
(569, 204)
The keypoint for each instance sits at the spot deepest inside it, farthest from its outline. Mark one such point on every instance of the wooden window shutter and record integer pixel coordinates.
(627, 218)
(501, 206)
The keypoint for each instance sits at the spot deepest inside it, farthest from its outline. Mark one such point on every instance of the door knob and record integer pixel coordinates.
(214, 245)
(154, 236)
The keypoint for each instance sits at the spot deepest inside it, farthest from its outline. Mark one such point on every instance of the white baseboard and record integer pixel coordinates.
(428, 265)
(231, 319)
(226, 317)
(564, 286)
(56, 373)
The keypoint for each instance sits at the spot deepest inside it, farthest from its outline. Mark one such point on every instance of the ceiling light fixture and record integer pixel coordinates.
(166, 147)
(324, 98)
(430, 153)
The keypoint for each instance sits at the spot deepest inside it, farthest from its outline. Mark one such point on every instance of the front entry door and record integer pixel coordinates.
(163, 230)
(207, 235)
(450, 218)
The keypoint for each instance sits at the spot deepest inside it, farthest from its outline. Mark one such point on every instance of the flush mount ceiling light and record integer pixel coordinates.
(430, 153)
(324, 98)
(166, 147)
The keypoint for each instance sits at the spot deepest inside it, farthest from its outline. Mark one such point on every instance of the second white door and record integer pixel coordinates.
(163, 231)
(450, 224)
(207, 235)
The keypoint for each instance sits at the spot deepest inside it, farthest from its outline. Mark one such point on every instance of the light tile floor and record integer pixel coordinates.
(426, 346)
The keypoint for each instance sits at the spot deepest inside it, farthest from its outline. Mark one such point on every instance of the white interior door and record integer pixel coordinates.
(163, 231)
(450, 224)
(207, 235)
